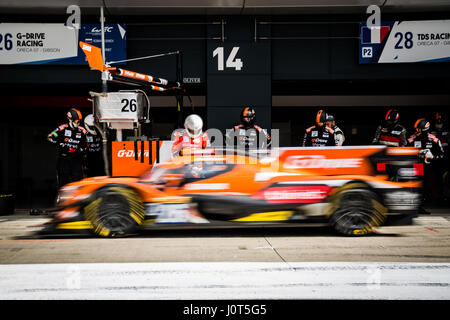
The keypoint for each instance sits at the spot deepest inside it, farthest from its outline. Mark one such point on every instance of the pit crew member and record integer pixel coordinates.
(247, 134)
(390, 132)
(338, 133)
(431, 150)
(94, 165)
(319, 135)
(70, 139)
(440, 131)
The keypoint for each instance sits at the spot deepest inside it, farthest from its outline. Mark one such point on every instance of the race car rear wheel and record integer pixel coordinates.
(357, 211)
(115, 211)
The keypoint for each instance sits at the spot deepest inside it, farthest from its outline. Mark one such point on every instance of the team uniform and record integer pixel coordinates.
(431, 150)
(184, 144)
(338, 136)
(319, 136)
(391, 136)
(442, 134)
(427, 141)
(338, 133)
(71, 144)
(390, 132)
(94, 158)
(248, 137)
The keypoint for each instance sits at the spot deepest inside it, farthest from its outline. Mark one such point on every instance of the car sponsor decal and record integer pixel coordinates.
(320, 161)
(295, 194)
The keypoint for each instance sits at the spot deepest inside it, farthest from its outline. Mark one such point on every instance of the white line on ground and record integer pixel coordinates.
(226, 280)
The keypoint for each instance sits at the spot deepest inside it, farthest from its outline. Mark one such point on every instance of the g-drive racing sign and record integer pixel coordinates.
(54, 43)
(405, 41)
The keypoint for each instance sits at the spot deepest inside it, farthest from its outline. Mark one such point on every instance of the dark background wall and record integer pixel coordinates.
(306, 57)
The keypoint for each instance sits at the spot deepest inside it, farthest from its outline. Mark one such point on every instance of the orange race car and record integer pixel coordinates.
(353, 189)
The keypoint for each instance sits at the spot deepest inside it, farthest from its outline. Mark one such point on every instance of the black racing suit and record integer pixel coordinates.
(94, 157)
(442, 134)
(71, 144)
(426, 141)
(443, 165)
(319, 136)
(393, 136)
(248, 137)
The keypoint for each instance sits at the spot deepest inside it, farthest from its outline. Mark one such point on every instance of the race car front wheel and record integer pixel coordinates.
(115, 211)
(356, 211)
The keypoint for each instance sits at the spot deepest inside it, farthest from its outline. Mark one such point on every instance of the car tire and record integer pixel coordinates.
(115, 211)
(356, 210)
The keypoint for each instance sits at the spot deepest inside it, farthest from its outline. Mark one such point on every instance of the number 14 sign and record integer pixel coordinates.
(232, 62)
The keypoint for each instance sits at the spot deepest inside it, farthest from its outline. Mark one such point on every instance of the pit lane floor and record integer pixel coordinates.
(400, 262)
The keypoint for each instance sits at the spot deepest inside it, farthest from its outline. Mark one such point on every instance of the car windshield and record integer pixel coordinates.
(190, 171)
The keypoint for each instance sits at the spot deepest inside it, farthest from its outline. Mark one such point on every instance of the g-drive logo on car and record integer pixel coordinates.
(320, 161)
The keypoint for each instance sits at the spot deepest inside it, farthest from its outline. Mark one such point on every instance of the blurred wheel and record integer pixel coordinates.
(115, 212)
(357, 211)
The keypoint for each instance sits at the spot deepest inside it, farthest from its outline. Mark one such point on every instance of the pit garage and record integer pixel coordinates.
(286, 59)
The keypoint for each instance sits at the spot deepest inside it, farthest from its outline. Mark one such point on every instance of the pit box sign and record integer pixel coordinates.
(52, 43)
(405, 41)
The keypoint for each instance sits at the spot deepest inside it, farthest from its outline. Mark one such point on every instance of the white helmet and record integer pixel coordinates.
(193, 125)
(89, 124)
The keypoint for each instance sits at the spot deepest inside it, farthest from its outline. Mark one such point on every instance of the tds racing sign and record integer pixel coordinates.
(405, 41)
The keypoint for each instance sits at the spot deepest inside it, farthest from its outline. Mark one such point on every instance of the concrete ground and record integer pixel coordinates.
(402, 262)
(427, 240)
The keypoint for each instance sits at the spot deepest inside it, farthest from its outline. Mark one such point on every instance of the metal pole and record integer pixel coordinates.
(180, 95)
(104, 89)
(102, 24)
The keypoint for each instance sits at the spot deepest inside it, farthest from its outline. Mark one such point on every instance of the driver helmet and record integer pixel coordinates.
(74, 116)
(89, 124)
(193, 125)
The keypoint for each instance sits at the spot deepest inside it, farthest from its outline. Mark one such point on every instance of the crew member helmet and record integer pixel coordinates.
(248, 116)
(321, 117)
(193, 125)
(392, 117)
(74, 116)
(422, 125)
(89, 124)
(439, 120)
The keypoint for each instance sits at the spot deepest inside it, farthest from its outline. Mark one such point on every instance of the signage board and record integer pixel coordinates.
(405, 41)
(53, 43)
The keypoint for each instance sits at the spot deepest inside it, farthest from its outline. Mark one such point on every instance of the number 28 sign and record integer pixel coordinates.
(405, 41)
